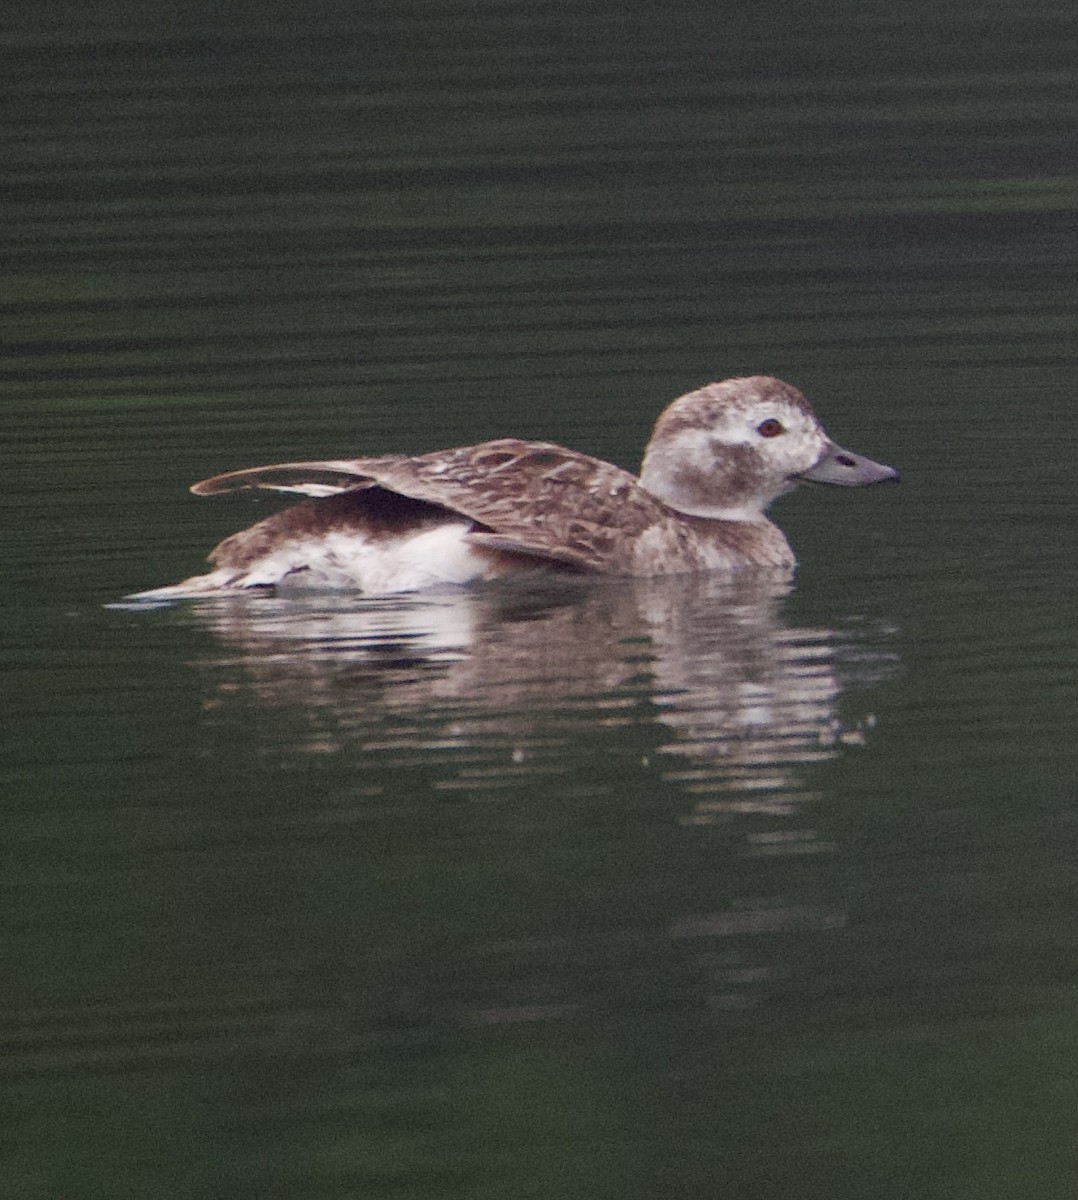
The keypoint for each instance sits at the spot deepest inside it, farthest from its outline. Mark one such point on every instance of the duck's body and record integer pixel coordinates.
(716, 459)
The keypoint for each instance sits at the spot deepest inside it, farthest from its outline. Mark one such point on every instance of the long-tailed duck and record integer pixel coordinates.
(716, 459)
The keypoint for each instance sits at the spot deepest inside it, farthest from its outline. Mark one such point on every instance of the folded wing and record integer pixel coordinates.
(531, 498)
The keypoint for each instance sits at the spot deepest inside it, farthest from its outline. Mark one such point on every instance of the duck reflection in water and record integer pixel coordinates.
(498, 685)
(553, 711)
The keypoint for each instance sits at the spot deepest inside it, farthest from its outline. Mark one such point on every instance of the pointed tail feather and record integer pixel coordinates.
(215, 583)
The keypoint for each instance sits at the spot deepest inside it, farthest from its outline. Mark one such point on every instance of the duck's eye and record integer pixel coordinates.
(770, 428)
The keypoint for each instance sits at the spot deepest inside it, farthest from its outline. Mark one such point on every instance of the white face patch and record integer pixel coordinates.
(729, 461)
(755, 426)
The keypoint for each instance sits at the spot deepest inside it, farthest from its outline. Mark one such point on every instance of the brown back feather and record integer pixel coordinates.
(533, 498)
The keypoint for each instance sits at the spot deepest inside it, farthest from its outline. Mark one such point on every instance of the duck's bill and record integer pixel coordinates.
(849, 470)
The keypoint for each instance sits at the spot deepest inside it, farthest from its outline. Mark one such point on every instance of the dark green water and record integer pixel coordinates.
(675, 888)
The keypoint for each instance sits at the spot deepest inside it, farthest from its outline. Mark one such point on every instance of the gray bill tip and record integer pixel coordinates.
(844, 469)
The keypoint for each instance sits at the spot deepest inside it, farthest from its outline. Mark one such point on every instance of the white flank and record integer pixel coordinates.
(374, 566)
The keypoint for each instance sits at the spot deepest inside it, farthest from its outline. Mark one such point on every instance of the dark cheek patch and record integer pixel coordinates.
(739, 467)
(746, 473)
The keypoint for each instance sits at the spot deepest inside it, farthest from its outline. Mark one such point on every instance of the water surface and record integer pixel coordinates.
(627, 889)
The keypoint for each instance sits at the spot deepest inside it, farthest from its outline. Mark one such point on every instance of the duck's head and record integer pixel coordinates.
(728, 449)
